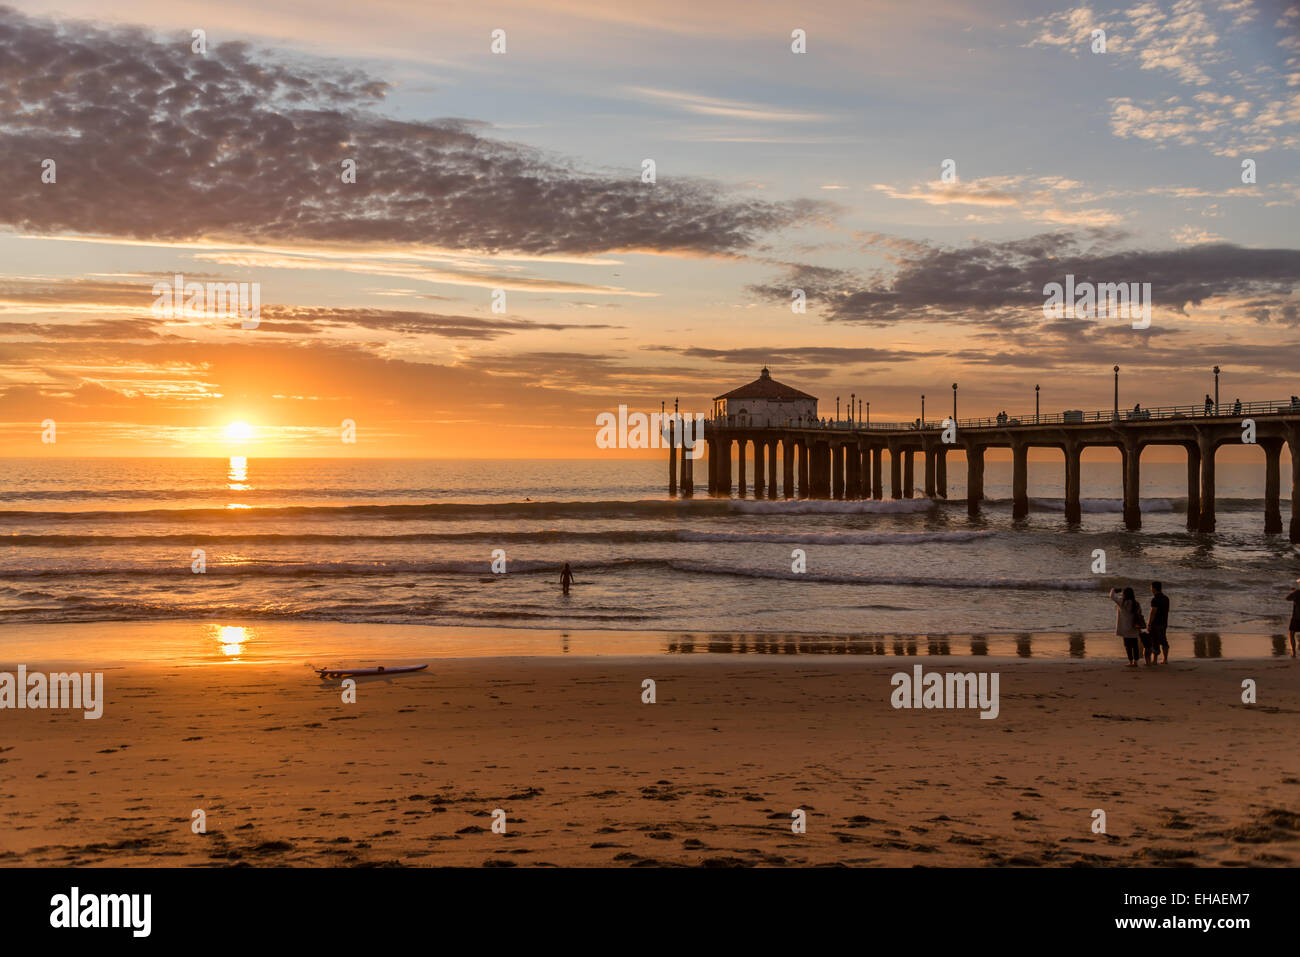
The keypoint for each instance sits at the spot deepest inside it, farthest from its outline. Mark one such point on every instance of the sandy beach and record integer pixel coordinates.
(288, 774)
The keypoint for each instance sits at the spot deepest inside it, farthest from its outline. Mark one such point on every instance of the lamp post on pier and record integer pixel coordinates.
(1036, 388)
(852, 396)
(954, 403)
(1116, 413)
(922, 410)
(1216, 390)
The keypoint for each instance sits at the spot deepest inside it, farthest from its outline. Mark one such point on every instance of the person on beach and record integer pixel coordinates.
(1158, 622)
(566, 578)
(1293, 629)
(1128, 622)
(1148, 643)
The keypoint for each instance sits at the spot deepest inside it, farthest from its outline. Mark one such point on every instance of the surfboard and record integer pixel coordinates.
(364, 672)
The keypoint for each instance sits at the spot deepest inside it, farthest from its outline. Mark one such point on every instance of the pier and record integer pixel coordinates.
(846, 459)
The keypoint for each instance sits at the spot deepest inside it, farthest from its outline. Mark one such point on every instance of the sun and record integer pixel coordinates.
(239, 431)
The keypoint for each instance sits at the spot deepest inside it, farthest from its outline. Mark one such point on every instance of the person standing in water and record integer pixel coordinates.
(566, 578)
(1293, 629)
(1128, 622)
(1158, 622)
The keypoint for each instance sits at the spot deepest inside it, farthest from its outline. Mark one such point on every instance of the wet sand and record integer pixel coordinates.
(289, 774)
(326, 643)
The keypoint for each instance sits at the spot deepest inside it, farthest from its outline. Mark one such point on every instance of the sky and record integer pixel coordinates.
(500, 271)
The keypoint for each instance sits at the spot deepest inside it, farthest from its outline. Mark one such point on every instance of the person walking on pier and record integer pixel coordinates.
(1293, 629)
(566, 578)
(1128, 622)
(1158, 622)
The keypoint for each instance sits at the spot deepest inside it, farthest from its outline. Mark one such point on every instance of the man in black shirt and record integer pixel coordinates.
(1158, 622)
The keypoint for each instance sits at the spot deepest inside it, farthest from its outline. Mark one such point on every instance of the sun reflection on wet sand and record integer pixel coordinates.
(231, 639)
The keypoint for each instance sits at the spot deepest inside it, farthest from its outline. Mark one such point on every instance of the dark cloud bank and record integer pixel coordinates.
(154, 141)
(991, 283)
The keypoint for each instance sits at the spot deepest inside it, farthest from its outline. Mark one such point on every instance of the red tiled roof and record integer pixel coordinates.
(765, 387)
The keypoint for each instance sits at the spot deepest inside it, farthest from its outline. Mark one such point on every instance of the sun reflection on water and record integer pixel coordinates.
(237, 478)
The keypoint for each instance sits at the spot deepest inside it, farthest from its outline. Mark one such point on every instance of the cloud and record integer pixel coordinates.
(312, 320)
(1190, 235)
(242, 145)
(1279, 311)
(1000, 284)
(1223, 125)
(799, 356)
(1229, 111)
(938, 193)
(96, 330)
(1042, 199)
(1180, 41)
(492, 274)
(85, 295)
(730, 109)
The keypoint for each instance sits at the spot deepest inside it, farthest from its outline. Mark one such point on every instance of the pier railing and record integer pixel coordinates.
(1068, 417)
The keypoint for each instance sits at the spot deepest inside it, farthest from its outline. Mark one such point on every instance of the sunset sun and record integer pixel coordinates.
(239, 432)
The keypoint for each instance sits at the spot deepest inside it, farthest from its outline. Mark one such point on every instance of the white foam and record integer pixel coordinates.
(1100, 506)
(835, 538)
(1038, 584)
(816, 506)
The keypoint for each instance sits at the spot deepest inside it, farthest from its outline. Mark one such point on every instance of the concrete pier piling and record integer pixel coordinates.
(1019, 480)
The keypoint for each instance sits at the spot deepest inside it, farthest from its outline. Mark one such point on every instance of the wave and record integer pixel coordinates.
(641, 508)
(808, 506)
(427, 613)
(835, 538)
(495, 536)
(1148, 505)
(1102, 506)
(210, 492)
(482, 569)
(270, 569)
(1048, 584)
(593, 510)
(450, 511)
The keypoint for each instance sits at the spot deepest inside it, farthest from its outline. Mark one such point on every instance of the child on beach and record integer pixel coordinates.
(1128, 622)
(1294, 628)
(566, 578)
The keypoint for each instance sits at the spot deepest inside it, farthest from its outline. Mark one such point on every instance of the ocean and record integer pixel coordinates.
(413, 541)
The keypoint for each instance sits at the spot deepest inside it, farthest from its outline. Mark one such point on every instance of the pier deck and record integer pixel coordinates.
(846, 459)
